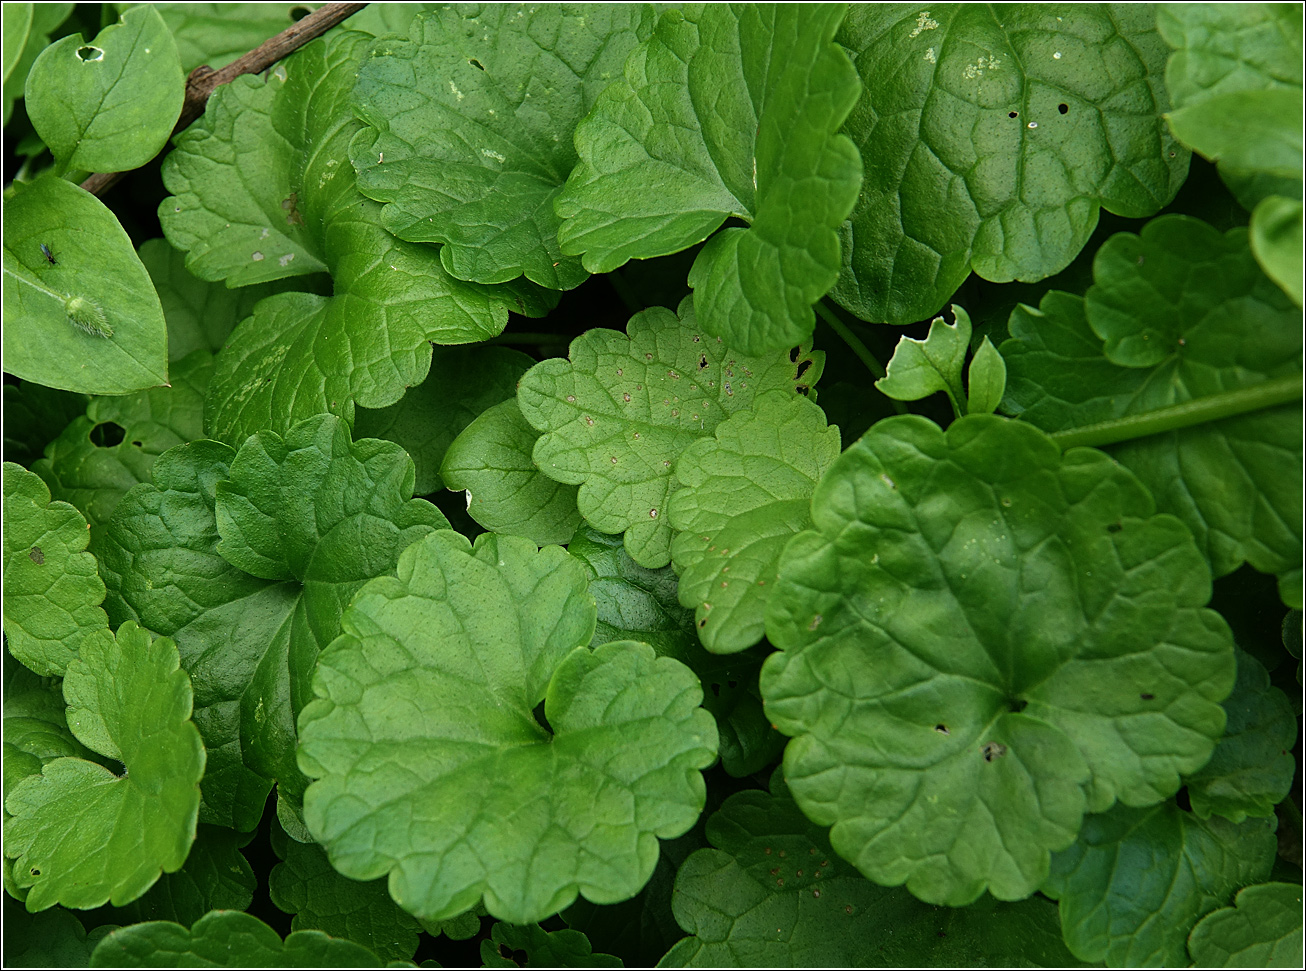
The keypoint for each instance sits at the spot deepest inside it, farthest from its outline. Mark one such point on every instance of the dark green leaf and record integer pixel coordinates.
(1263, 930)
(543, 949)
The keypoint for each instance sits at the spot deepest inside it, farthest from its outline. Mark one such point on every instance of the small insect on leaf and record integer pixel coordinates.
(45, 251)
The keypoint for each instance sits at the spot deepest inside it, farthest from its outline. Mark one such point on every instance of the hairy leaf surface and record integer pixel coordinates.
(1179, 313)
(992, 137)
(1136, 880)
(52, 592)
(724, 112)
(81, 834)
(469, 129)
(434, 768)
(618, 414)
(977, 628)
(747, 491)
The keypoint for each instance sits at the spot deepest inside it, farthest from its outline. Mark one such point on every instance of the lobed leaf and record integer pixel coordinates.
(566, 948)
(52, 590)
(747, 491)
(506, 491)
(53, 938)
(617, 415)
(980, 641)
(772, 893)
(79, 833)
(992, 137)
(466, 794)
(217, 33)
(1195, 318)
(1262, 929)
(226, 938)
(1137, 880)
(469, 121)
(724, 112)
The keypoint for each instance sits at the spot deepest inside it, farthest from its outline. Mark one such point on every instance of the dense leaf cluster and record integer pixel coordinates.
(502, 509)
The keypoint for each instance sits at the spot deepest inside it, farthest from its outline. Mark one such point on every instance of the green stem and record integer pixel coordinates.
(858, 347)
(1227, 404)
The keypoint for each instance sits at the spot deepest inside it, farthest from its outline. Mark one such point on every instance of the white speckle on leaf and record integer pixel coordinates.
(456, 93)
(1033, 124)
(652, 514)
(929, 55)
(256, 256)
(469, 498)
(285, 260)
(923, 22)
(490, 153)
(1057, 56)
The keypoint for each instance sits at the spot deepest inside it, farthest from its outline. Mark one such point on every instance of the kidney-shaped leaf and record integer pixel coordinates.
(617, 415)
(470, 128)
(977, 627)
(226, 938)
(1263, 929)
(263, 190)
(82, 835)
(725, 111)
(747, 491)
(433, 766)
(544, 949)
(992, 135)
(52, 590)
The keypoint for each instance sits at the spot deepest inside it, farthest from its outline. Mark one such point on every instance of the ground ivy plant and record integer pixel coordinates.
(681, 485)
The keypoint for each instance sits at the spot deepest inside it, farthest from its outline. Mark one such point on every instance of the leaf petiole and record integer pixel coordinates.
(858, 347)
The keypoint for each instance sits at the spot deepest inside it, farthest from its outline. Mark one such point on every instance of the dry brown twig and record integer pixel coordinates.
(202, 80)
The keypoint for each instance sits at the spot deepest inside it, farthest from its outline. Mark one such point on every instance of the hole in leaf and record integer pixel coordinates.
(1181, 797)
(716, 690)
(538, 712)
(801, 389)
(732, 685)
(993, 750)
(137, 444)
(802, 369)
(476, 64)
(107, 435)
(35, 872)
(1013, 114)
(942, 729)
(702, 361)
(89, 53)
(793, 355)
(300, 12)
(1145, 696)
(1063, 108)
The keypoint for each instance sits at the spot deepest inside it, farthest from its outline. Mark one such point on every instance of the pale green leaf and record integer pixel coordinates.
(747, 491)
(986, 380)
(992, 138)
(1263, 929)
(467, 794)
(981, 641)
(1276, 240)
(79, 833)
(217, 33)
(725, 112)
(618, 414)
(1137, 880)
(52, 592)
(920, 368)
(470, 120)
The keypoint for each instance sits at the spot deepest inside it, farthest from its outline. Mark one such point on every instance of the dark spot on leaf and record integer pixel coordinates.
(1017, 704)
(45, 251)
(732, 685)
(941, 934)
(476, 64)
(716, 690)
(993, 750)
(793, 355)
(802, 368)
(702, 361)
(942, 729)
(1013, 114)
(703, 622)
(138, 444)
(291, 205)
(35, 872)
(107, 435)
(1063, 108)
(1181, 797)
(1147, 697)
(299, 13)
(1114, 528)
(36, 556)
(801, 389)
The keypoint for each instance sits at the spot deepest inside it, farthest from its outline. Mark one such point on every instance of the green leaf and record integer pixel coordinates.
(90, 320)
(619, 413)
(108, 106)
(215, 876)
(321, 899)
(992, 137)
(263, 191)
(1195, 318)
(34, 417)
(747, 491)
(226, 938)
(506, 491)
(52, 590)
(977, 627)
(1233, 67)
(475, 797)
(772, 893)
(986, 380)
(1252, 767)
(200, 315)
(464, 382)
(53, 938)
(1263, 929)
(724, 112)
(1276, 241)
(82, 835)
(543, 949)
(638, 604)
(17, 27)
(94, 477)
(312, 517)
(1137, 880)
(217, 33)
(45, 19)
(470, 121)
(920, 368)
